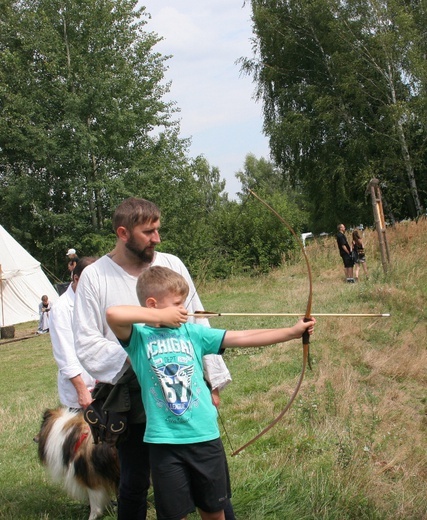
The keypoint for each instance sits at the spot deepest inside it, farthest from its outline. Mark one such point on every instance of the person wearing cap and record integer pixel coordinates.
(72, 260)
(74, 383)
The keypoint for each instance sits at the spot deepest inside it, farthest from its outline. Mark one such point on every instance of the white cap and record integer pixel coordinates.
(71, 252)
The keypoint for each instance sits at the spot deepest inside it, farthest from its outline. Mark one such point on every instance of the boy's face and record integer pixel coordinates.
(170, 300)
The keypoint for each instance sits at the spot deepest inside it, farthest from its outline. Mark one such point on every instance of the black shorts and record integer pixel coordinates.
(348, 260)
(186, 476)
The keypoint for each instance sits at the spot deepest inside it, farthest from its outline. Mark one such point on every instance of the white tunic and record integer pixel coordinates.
(62, 338)
(104, 284)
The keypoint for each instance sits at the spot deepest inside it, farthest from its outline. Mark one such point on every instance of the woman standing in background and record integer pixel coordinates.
(361, 258)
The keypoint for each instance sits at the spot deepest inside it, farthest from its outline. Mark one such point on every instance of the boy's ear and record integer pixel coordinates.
(151, 302)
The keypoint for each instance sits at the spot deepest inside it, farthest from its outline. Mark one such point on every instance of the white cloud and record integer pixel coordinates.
(206, 38)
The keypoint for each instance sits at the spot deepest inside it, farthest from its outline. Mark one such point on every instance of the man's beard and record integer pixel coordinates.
(144, 255)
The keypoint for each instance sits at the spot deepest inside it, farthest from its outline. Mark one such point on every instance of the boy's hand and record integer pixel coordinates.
(301, 326)
(173, 316)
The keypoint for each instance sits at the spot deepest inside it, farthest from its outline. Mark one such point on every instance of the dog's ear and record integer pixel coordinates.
(46, 414)
(47, 422)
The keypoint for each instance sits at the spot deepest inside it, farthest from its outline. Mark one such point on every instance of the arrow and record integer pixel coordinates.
(208, 314)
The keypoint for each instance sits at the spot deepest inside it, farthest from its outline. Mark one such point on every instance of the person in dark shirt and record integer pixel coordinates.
(345, 253)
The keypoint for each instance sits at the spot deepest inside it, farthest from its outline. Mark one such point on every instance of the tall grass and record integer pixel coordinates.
(353, 446)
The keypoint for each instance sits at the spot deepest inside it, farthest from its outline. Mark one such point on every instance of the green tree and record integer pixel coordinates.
(260, 172)
(82, 119)
(193, 237)
(336, 83)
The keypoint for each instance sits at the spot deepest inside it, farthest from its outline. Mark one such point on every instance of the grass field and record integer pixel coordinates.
(353, 446)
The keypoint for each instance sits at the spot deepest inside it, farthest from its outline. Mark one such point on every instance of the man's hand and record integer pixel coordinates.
(216, 400)
(84, 395)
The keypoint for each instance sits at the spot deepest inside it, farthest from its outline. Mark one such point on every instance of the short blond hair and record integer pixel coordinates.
(157, 282)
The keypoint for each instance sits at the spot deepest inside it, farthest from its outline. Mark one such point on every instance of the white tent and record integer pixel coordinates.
(23, 283)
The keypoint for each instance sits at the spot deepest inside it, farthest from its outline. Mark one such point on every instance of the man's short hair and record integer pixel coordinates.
(158, 281)
(82, 263)
(133, 211)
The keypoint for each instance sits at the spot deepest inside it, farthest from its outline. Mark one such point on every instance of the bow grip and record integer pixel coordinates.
(306, 335)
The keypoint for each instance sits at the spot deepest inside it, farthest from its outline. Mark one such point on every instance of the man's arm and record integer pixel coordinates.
(343, 244)
(84, 395)
(62, 338)
(216, 372)
(96, 346)
(346, 247)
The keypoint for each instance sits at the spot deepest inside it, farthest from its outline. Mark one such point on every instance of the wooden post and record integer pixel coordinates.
(377, 205)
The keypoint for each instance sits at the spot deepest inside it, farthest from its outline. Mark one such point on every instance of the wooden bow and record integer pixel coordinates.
(305, 338)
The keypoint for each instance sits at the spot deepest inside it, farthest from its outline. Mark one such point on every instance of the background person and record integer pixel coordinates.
(345, 253)
(44, 310)
(359, 248)
(74, 383)
(72, 261)
(109, 281)
(188, 463)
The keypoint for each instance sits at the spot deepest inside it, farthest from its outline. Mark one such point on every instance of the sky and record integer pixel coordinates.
(218, 109)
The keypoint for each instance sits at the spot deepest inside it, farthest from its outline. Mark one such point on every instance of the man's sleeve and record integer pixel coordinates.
(96, 346)
(62, 339)
(216, 372)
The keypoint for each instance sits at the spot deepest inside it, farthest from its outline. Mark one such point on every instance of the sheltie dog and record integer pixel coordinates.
(89, 472)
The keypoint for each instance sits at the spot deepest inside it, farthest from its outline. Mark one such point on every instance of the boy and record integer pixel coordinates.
(186, 454)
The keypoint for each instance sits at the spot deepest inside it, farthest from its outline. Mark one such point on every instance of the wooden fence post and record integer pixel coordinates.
(377, 205)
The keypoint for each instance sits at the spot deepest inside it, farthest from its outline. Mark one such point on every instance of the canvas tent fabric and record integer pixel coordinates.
(22, 283)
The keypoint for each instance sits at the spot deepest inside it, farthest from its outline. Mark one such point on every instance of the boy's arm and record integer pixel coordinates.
(264, 337)
(121, 318)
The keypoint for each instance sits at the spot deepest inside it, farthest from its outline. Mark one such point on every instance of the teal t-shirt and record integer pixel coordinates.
(169, 367)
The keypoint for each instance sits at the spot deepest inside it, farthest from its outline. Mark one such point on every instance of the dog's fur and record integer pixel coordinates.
(89, 472)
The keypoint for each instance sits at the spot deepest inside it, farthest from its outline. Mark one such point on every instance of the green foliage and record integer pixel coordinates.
(340, 85)
(247, 238)
(244, 237)
(80, 96)
(258, 173)
(268, 240)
